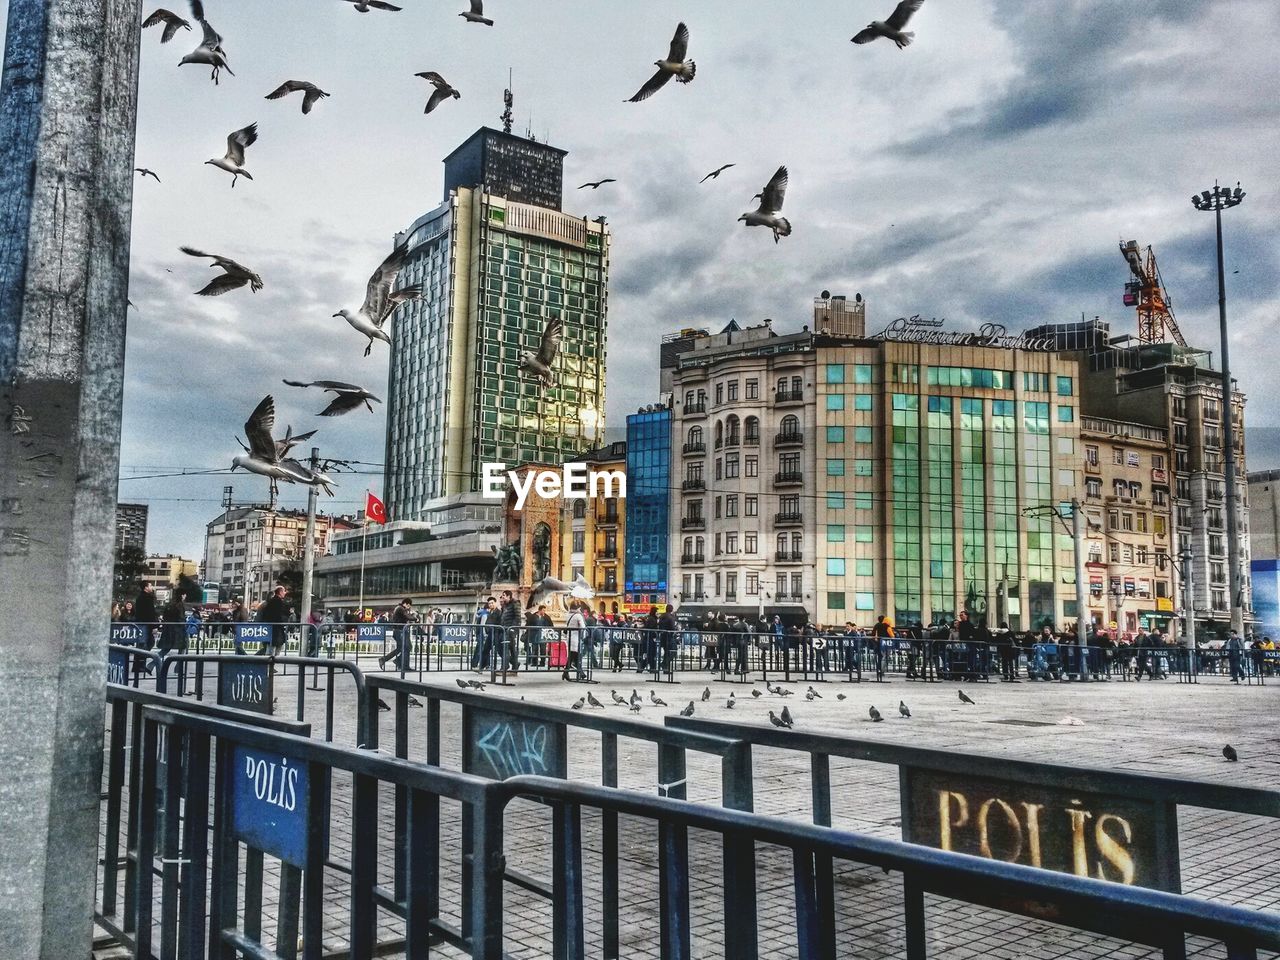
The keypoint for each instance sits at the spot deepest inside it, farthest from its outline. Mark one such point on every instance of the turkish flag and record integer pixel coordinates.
(374, 509)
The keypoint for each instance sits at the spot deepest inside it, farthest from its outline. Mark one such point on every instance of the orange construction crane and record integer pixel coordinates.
(1146, 292)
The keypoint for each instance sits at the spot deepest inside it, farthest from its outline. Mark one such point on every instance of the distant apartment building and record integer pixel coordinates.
(245, 548)
(163, 570)
(131, 526)
(594, 530)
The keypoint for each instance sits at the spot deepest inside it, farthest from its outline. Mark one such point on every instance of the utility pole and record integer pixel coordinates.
(1189, 595)
(1079, 524)
(309, 548)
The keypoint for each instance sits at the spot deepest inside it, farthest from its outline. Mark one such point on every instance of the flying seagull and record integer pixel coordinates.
(210, 51)
(442, 89)
(767, 214)
(715, 174)
(233, 160)
(291, 440)
(364, 6)
(172, 23)
(539, 364)
(597, 184)
(347, 396)
(476, 14)
(674, 66)
(144, 173)
(311, 93)
(892, 27)
(547, 586)
(263, 456)
(380, 301)
(234, 276)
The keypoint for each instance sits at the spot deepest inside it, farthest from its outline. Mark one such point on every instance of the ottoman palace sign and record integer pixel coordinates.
(917, 329)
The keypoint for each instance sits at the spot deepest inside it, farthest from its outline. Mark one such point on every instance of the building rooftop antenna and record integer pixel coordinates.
(508, 98)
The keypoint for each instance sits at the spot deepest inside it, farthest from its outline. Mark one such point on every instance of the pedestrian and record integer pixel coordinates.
(173, 632)
(484, 628)
(401, 616)
(1235, 656)
(276, 612)
(574, 629)
(536, 639)
(614, 634)
(669, 634)
(1142, 658)
(239, 614)
(144, 613)
(881, 634)
(507, 640)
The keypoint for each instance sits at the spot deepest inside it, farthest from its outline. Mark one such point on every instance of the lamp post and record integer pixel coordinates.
(1215, 201)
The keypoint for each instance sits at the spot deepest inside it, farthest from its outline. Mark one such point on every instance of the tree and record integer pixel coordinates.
(131, 564)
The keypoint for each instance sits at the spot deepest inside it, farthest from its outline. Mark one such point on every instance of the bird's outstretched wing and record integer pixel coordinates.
(257, 429)
(680, 44)
(477, 7)
(775, 192)
(550, 345)
(382, 5)
(432, 77)
(232, 267)
(438, 94)
(656, 83)
(286, 88)
(212, 39)
(311, 96)
(342, 403)
(902, 13)
(237, 141)
(378, 291)
(223, 283)
(865, 35)
(716, 173)
(337, 386)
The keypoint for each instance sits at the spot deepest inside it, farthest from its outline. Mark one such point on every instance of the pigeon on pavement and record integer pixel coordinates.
(620, 701)
(687, 711)
(656, 700)
(775, 721)
(815, 693)
(579, 703)
(414, 701)
(875, 715)
(841, 696)
(706, 694)
(462, 684)
(382, 704)
(757, 694)
(903, 709)
(1230, 753)
(592, 701)
(964, 698)
(786, 717)
(475, 684)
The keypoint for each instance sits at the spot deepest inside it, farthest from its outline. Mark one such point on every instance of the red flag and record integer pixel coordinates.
(375, 510)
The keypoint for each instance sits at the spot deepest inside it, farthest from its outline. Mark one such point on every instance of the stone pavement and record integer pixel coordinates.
(1161, 727)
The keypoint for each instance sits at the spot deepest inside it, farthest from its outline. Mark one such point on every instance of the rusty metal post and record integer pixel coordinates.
(68, 100)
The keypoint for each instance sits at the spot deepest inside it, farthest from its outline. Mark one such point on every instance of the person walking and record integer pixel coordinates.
(276, 612)
(173, 631)
(535, 639)
(1235, 656)
(484, 634)
(239, 614)
(508, 637)
(669, 631)
(646, 648)
(401, 616)
(573, 630)
(144, 613)
(1142, 655)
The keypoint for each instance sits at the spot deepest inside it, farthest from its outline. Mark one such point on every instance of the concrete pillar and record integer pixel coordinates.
(68, 102)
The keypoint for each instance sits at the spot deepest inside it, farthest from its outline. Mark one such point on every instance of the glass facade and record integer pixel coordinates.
(648, 505)
(906, 522)
(941, 510)
(973, 506)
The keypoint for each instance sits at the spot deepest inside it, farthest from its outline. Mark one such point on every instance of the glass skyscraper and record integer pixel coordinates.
(496, 270)
(648, 500)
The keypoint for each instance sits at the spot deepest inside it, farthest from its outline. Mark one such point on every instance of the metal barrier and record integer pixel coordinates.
(268, 793)
(124, 665)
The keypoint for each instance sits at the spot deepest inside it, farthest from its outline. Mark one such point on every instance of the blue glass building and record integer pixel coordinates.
(648, 498)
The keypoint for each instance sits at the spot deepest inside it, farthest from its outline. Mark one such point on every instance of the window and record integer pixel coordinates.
(753, 391)
(731, 466)
(751, 467)
(863, 401)
(1140, 523)
(1066, 414)
(835, 373)
(719, 394)
(688, 398)
(718, 507)
(1117, 455)
(731, 506)
(835, 500)
(1092, 487)
(835, 566)
(862, 467)
(862, 373)
(835, 401)
(835, 601)
(733, 390)
(862, 500)
(695, 438)
(1064, 386)
(864, 534)
(864, 567)
(790, 426)
(753, 584)
(698, 585)
(1113, 552)
(579, 541)
(750, 543)
(1126, 522)
(1159, 527)
(835, 468)
(835, 434)
(730, 543)
(751, 507)
(865, 601)
(579, 509)
(1091, 454)
(1135, 489)
(789, 463)
(751, 430)
(835, 533)
(862, 435)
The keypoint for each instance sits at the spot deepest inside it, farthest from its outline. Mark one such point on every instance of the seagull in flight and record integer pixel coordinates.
(715, 174)
(892, 27)
(262, 454)
(476, 14)
(172, 23)
(290, 440)
(380, 301)
(311, 93)
(597, 184)
(234, 276)
(347, 396)
(442, 89)
(364, 6)
(233, 160)
(539, 364)
(674, 66)
(210, 51)
(768, 213)
(144, 172)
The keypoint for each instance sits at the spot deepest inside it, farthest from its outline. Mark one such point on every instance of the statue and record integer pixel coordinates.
(541, 552)
(506, 563)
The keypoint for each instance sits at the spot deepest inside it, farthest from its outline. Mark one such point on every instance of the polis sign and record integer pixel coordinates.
(917, 329)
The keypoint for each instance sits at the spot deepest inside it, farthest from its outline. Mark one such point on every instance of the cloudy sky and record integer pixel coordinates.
(985, 173)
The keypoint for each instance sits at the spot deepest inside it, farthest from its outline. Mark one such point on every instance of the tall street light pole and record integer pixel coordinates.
(1217, 200)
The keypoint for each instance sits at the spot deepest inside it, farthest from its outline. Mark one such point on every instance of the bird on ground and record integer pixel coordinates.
(841, 696)
(476, 14)
(544, 588)
(620, 701)
(768, 214)
(730, 703)
(210, 51)
(904, 709)
(706, 694)
(891, 27)
(815, 693)
(234, 275)
(380, 301)
(597, 184)
(715, 174)
(310, 93)
(757, 694)
(635, 695)
(262, 457)
(414, 701)
(382, 704)
(347, 396)
(875, 715)
(172, 23)
(579, 703)
(364, 6)
(964, 698)
(775, 721)
(144, 173)
(635, 707)
(475, 684)
(656, 700)
(592, 701)
(462, 684)
(786, 716)
(784, 692)
(687, 711)
(539, 364)
(233, 160)
(442, 89)
(674, 66)
(809, 695)
(1230, 753)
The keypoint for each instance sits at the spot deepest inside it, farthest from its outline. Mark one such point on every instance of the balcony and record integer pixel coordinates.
(788, 396)
(610, 519)
(788, 518)
(789, 556)
(791, 439)
(751, 440)
(693, 558)
(788, 598)
(693, 483)
(694, 448)
(788, 478)
(698, 409)
(1092, 467)
(608, 554)
(693, 523)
